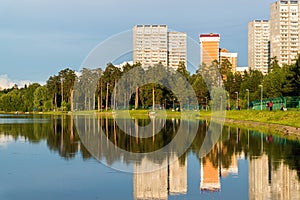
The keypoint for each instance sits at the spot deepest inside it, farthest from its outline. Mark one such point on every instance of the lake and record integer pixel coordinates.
(93, 157)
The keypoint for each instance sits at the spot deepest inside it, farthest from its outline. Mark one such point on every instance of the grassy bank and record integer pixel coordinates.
(288, 118)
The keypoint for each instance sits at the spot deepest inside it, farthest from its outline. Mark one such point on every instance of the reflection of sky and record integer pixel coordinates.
(52, 177)
(21, 121)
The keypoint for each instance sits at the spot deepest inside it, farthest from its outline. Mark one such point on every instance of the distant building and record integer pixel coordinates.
(153, 44)
(121, 65)
(284, 31)
(242, 69)
(231, 57)
(150, 44)
(258, 45)
(209, 48)
(176, 48)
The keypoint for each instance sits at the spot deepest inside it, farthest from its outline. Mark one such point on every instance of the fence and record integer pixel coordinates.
(287, 102)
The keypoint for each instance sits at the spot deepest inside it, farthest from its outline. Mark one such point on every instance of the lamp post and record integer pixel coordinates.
(261, 95)
(237, 100)
(247, 99)
(228, 100)
(221, 98)
(173, 104)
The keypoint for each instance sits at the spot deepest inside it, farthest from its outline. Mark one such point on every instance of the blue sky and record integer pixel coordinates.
(39, 38)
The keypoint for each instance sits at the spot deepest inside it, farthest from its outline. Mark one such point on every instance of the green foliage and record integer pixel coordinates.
(65, 106)
(41, 98)
(95, 86)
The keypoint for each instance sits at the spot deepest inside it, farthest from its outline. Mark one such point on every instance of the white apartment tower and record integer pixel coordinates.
(259, 45)
(176, 48)
(150, 44)
(284, 30)
(153, 44)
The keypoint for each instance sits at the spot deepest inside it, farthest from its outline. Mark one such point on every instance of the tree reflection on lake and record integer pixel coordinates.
(273, 168)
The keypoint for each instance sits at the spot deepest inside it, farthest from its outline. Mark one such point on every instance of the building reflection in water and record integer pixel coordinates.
(209, 174)
(159, 183)
(269, 182)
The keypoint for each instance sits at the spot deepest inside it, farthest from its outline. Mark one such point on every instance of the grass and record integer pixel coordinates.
(288, 118)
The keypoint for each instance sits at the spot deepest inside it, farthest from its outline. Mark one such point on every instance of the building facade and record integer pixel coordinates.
(259, 45)
(209, 48)
(150, 45)
(284, 31)
(176, 48)
(231, 57)
(153, 44)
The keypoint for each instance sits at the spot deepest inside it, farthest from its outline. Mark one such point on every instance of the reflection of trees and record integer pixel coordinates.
(57, 130)
(62, 137)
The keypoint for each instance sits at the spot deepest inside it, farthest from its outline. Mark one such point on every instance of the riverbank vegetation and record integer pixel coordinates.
(58, 92)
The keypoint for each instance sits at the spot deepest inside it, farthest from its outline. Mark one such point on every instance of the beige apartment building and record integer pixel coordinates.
(259, 45)
(231, 57)
(284, 30)
(153, 44)
(209, 48)
(176, 48)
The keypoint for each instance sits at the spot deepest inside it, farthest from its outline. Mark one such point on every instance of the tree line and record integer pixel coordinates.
(94, 88)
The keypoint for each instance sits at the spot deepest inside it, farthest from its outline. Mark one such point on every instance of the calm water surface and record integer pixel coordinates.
(47, 157)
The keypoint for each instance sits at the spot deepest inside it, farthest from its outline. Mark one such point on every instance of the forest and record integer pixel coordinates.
(61, 89)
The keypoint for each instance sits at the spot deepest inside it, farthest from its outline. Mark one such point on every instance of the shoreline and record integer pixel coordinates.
(275, 122)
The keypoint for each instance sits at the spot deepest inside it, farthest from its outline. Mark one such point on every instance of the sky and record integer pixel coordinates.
(39, 38)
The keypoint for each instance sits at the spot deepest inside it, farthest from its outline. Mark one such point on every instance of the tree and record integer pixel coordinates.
(199, 87)
(225, 67)
(41, 98)
(67, 78)
(28, 96)
(294, 77)
(53, 85)
(110, 76)
(182, 70)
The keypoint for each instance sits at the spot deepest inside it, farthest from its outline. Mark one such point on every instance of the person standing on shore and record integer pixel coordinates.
(267, 106)
(271, 105)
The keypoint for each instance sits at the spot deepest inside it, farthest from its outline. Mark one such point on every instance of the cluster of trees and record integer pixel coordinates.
(56, 94)
(94, 88)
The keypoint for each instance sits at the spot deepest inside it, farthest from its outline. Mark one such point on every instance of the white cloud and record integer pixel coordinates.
(6, 82)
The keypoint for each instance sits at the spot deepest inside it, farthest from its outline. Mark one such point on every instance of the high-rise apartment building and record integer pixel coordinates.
(153, 44)
(284, 30)
(176, 48)
(259, 45)
(150, 45)
(231, 57)
(209, 48)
